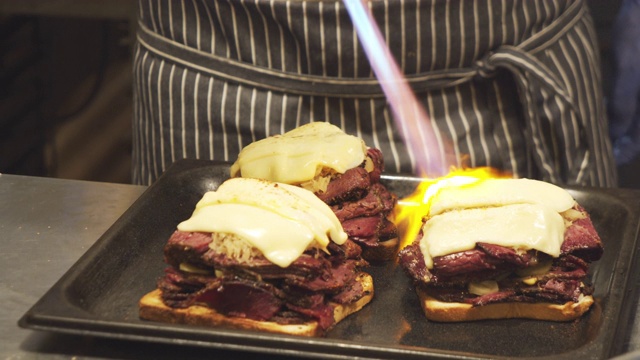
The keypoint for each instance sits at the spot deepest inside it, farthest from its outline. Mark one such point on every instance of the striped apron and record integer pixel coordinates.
(513, 85)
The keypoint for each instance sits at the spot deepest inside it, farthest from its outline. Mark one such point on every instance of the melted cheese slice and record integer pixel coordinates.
(523, 214)
(280, 220)
(493, 192)
(300, 154)
(519, 226)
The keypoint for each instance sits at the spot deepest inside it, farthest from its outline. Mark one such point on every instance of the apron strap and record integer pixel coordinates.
(532, 77)
(288, 82)
(535, 80)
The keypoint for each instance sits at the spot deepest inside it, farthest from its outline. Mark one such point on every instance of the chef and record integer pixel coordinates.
(512, 85)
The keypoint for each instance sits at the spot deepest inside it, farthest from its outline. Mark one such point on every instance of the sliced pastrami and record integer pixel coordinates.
(186, 247)
(353, 291)
(378, 164)
(323, 314)
(258, 299)
(353, 184)
(377, 200)
(582, 240)
(304, 266)
(333, 281)
(412, 262)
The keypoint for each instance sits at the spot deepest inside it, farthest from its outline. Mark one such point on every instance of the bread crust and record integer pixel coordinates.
(441, 311)
(151, 307)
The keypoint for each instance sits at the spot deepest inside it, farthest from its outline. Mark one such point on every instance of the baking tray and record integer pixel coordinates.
(99, 294)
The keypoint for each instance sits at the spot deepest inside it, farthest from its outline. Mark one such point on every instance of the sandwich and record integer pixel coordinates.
(260, 255)
(503, 248)
(341, 170)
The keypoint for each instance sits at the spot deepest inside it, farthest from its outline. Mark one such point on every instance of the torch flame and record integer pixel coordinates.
(432, 153)
(409, 213)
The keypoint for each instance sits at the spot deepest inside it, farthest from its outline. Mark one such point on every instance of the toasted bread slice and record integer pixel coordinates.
(385, 251)
(151, 307)
(441, 311)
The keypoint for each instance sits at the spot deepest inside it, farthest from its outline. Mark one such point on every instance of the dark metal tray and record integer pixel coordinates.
(99, 294)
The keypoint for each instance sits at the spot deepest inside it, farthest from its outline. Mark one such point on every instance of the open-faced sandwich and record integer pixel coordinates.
(260, 255)
(503, 248)
(340, 169)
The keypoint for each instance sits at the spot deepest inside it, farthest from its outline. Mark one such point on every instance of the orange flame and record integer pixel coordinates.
(409, 213)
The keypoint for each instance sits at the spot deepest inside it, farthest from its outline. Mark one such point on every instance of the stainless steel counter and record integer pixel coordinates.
(46, 225)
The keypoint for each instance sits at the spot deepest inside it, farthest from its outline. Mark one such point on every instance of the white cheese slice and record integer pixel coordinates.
(520, 226)
(280, 220)
(298, 155)
(493, 192)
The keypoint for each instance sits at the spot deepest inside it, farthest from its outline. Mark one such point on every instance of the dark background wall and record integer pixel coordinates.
(65, 87)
